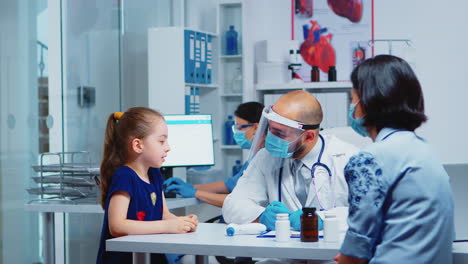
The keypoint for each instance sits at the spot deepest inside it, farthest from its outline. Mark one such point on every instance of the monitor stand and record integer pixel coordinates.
(166, 174)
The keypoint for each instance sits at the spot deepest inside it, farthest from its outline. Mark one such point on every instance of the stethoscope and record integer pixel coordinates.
(312, 172)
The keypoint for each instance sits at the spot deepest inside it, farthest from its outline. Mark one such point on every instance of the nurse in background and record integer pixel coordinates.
(400, 201)
(247, 116)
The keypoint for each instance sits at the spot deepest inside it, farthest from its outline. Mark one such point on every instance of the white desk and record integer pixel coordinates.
(50, 208)
(210, 239)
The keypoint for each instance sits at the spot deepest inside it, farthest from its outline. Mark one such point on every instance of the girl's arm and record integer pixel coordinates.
(168, 215)
(215, 187)
(119, 225)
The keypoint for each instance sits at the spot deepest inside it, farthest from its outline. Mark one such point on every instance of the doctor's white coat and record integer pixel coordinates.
(258, 186)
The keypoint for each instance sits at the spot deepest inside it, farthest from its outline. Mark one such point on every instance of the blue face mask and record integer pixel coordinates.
(241, 140)
(356, 124)
(277, 146)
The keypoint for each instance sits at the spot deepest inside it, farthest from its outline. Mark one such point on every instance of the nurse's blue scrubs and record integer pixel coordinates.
(146, 204)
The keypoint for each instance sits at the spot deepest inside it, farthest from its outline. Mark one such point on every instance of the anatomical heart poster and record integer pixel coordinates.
(332, 33)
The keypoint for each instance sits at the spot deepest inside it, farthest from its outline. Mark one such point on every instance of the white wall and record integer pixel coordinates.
(440, 39)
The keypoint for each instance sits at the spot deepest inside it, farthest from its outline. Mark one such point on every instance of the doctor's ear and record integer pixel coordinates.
(310, 135)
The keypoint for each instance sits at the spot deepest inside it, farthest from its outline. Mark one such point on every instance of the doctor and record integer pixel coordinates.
(297, 168)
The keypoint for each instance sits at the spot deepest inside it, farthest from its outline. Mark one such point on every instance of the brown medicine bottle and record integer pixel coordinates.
(309, 225)
(315, 74)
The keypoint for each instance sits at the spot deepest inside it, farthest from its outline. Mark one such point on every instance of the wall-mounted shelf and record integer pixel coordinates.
(304, 86)
(230, 147)
(203, 85)
(230, 57)
(231, 95)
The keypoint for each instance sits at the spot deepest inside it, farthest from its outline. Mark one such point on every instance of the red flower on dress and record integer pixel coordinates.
(141, 215)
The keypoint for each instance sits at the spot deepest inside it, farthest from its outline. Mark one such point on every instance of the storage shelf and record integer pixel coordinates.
(305, 86)
(203, 85)
(215, 35)
(227, 57)
(231, 95)
(230, 147)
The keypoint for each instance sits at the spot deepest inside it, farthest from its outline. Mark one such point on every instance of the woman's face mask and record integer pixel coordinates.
(241, 140)
(356, 124)
(278, 147)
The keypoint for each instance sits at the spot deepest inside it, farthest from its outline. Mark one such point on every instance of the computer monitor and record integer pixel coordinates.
(190, 139)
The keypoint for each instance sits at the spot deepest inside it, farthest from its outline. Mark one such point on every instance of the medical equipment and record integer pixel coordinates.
(315, 166)
(282, 227)
(331, 227)
(245, 229)
(309, 225)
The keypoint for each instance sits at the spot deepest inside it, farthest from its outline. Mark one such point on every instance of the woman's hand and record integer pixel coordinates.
(343, 259)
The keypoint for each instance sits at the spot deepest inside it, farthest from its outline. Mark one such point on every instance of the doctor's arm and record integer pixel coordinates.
(248, 200)
(367, 190)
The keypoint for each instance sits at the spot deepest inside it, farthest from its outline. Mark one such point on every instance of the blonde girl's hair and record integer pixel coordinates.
(121, 129)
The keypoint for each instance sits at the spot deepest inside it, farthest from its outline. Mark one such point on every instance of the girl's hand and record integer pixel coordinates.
(192, 220)
(178, 225)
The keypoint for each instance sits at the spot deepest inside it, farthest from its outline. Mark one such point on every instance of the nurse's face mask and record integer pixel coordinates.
(280, 136)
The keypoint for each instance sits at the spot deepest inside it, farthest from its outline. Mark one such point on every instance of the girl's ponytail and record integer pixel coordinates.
(113, 154)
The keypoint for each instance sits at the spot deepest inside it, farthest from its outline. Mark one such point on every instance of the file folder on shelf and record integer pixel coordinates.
(203, 58)
(198, 66)
(209, 58)
(187, 100)
(189, 45)
(196, 109)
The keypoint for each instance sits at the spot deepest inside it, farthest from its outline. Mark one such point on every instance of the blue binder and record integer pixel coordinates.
(187, 100)
(189, 45)
(203, 58)
(198, 67)
(197, 100)
(209, 58)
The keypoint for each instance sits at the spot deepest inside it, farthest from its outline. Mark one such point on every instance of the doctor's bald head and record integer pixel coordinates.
(301, 106)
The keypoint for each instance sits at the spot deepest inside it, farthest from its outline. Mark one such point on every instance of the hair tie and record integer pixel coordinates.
(118, 115)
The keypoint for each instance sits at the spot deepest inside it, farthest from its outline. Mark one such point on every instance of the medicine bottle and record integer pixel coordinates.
(315, 74)
(330, 227)
(282, 227)
(332, 74)
(309, 225)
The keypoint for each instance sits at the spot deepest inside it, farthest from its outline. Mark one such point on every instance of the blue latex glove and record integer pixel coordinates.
(268, 217)
(174, 258)
(176, 185)
(173, 180)
(295, 220)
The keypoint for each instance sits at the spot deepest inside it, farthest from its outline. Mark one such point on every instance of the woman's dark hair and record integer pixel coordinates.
(250, 111)
(137, 122)
(389, 92)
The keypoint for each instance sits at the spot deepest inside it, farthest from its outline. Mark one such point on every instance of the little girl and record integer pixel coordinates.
(135, 146)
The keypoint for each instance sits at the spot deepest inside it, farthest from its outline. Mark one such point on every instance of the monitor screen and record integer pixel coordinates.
(191, 140)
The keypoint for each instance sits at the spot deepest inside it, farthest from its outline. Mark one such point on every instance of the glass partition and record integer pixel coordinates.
(23, 133)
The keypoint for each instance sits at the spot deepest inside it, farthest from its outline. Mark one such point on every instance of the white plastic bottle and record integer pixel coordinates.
(245, 229)
(283, 228)
(331, 228)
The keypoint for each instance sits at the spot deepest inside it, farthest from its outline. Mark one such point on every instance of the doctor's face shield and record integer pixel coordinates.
(279, 135)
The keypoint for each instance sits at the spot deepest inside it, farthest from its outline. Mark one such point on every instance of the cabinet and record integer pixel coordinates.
(230, 75)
